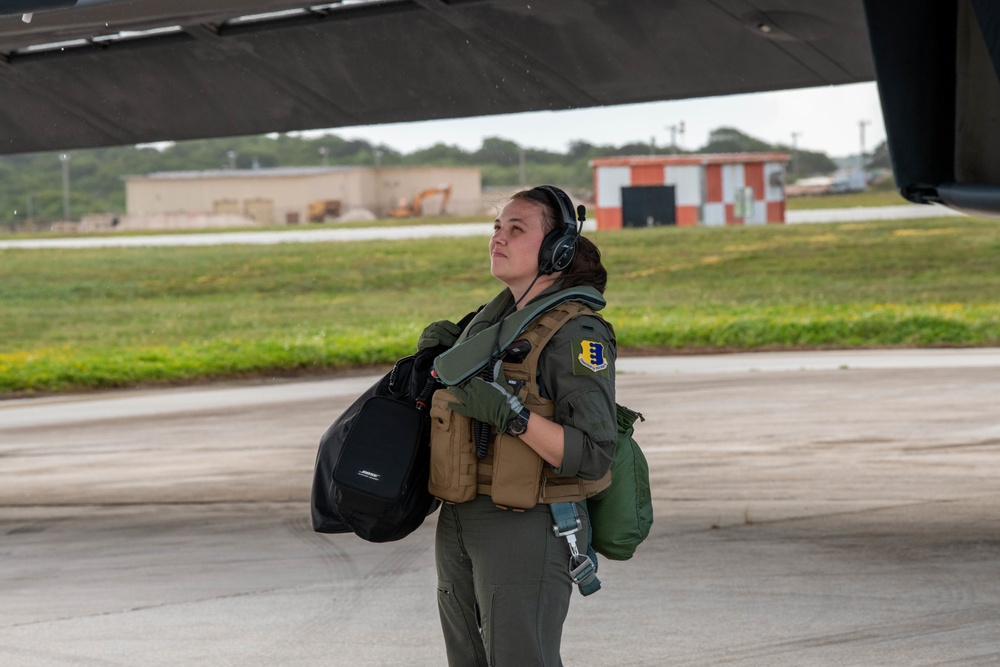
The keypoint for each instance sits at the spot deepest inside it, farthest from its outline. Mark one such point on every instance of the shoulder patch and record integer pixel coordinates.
(589, 356)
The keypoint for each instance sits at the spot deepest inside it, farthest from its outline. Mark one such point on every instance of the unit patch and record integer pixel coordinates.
(591, 357)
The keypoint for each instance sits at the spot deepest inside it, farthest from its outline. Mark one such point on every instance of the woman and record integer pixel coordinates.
(503, 582)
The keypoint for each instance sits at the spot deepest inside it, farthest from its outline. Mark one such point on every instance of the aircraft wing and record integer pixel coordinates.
(937, 63)
(115, 72)
(85, 73)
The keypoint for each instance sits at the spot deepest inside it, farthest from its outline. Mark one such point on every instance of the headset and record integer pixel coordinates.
(559, 246)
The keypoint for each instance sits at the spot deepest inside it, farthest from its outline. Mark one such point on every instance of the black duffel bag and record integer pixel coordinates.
(372, 465)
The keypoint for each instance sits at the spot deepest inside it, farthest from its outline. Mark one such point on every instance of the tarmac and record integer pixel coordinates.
(824, 508)
(334, 233)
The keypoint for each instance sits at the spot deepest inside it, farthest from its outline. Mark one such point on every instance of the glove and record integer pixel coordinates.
(488, 402)
(437, 333)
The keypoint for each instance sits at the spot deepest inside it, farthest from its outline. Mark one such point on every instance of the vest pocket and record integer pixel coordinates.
(517, 471)
(453, 453)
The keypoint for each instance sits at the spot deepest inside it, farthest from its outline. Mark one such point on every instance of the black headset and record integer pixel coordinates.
(559, 246)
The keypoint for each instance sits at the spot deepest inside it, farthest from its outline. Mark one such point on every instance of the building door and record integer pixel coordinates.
(226, 206)
(259, 210)
(649, 205)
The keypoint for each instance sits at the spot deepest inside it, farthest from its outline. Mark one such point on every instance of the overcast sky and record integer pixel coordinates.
(826, 119)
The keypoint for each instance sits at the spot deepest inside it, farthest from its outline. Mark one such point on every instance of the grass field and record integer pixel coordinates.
(82, 319)
(885, 195)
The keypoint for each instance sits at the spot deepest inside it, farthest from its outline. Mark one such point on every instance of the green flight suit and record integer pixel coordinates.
(503, 581)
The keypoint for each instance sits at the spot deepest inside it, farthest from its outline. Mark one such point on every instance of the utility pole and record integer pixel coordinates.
(325, 152)
(64, 158)
(795, 151)
(521, 167)
(674, 131)
(861, 158)
(232, 159)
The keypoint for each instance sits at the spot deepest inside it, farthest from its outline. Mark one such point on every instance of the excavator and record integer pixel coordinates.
(322, 210)
(415, 208)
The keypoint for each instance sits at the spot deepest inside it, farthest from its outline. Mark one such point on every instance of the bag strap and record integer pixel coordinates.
(582, 568)
(565, 517)
(470, 356)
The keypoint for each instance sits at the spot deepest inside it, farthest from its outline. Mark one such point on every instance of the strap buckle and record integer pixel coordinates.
(560, 531)
(582, 568)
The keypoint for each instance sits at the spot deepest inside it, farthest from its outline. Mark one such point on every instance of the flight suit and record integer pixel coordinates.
(503, 581)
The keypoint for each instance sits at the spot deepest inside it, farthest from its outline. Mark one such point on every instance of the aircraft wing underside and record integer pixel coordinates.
(85, 73)
(114, 72)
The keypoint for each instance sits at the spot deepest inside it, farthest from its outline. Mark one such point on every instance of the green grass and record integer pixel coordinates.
(875, 197)
(97, 318)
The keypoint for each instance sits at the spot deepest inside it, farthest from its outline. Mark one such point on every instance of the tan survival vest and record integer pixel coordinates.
(512, 473)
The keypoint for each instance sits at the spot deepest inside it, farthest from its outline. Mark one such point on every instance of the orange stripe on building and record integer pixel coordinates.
(647, 174)
(609, 218)
(776, 211)
(687, 216)
(713, 183)
(753, 177)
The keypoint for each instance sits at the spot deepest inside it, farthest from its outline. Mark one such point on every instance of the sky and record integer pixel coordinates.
(826, 119)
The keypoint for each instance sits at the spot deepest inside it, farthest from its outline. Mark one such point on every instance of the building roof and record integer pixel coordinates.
(688, 159)
(280, 172)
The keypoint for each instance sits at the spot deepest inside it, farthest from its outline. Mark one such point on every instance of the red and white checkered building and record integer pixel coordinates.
(711, 189)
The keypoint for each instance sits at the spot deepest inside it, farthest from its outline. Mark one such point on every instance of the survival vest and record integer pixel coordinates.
(511, 473)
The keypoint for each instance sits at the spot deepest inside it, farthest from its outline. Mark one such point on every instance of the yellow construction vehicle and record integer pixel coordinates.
(322, 210)
(415, 208)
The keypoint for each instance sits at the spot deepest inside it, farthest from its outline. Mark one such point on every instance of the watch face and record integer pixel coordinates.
(519, 424)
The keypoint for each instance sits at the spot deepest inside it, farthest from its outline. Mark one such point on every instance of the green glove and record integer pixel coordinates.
(437, 333)
(487, 402)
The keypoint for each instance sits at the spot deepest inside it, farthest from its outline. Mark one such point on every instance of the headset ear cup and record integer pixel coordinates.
(557, 251)
(559, 245)
(564, 253)
(546, 251)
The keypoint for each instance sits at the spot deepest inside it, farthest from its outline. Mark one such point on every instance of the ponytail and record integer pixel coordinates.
(586, 267)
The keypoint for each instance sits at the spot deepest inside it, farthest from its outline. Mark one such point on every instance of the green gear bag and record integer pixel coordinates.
(622, 514)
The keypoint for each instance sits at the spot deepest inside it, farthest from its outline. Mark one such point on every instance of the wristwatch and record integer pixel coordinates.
(519, 424)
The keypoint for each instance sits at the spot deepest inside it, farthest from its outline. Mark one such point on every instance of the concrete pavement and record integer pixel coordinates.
(811, 509)
(327, 234)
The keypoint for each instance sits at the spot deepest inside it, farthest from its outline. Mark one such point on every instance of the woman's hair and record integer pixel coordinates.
(586, 267)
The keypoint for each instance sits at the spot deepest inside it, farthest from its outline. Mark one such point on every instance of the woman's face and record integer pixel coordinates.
(517, 235)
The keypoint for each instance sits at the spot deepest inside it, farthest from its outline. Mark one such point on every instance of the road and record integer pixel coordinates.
(326, 234)
(811, 509)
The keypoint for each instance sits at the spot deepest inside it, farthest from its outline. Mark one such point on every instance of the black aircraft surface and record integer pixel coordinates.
(86, 73)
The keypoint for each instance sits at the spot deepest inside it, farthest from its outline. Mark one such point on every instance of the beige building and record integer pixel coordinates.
(284, 195)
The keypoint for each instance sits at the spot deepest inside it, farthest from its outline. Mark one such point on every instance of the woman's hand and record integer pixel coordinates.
(487, 402)
(437, 333)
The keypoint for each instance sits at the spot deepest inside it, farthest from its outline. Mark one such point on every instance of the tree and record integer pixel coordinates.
(580, 150)
(498, 151)
(440, 154)
(806, 163)
(731, 140)
(33, 181)
(880, 157)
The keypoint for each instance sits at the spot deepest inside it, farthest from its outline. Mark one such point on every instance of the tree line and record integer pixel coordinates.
(31, 185)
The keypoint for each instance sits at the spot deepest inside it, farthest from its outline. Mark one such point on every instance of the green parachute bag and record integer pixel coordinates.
(622, 514)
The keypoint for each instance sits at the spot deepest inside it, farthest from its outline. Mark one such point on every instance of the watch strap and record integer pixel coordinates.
(518, 424)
